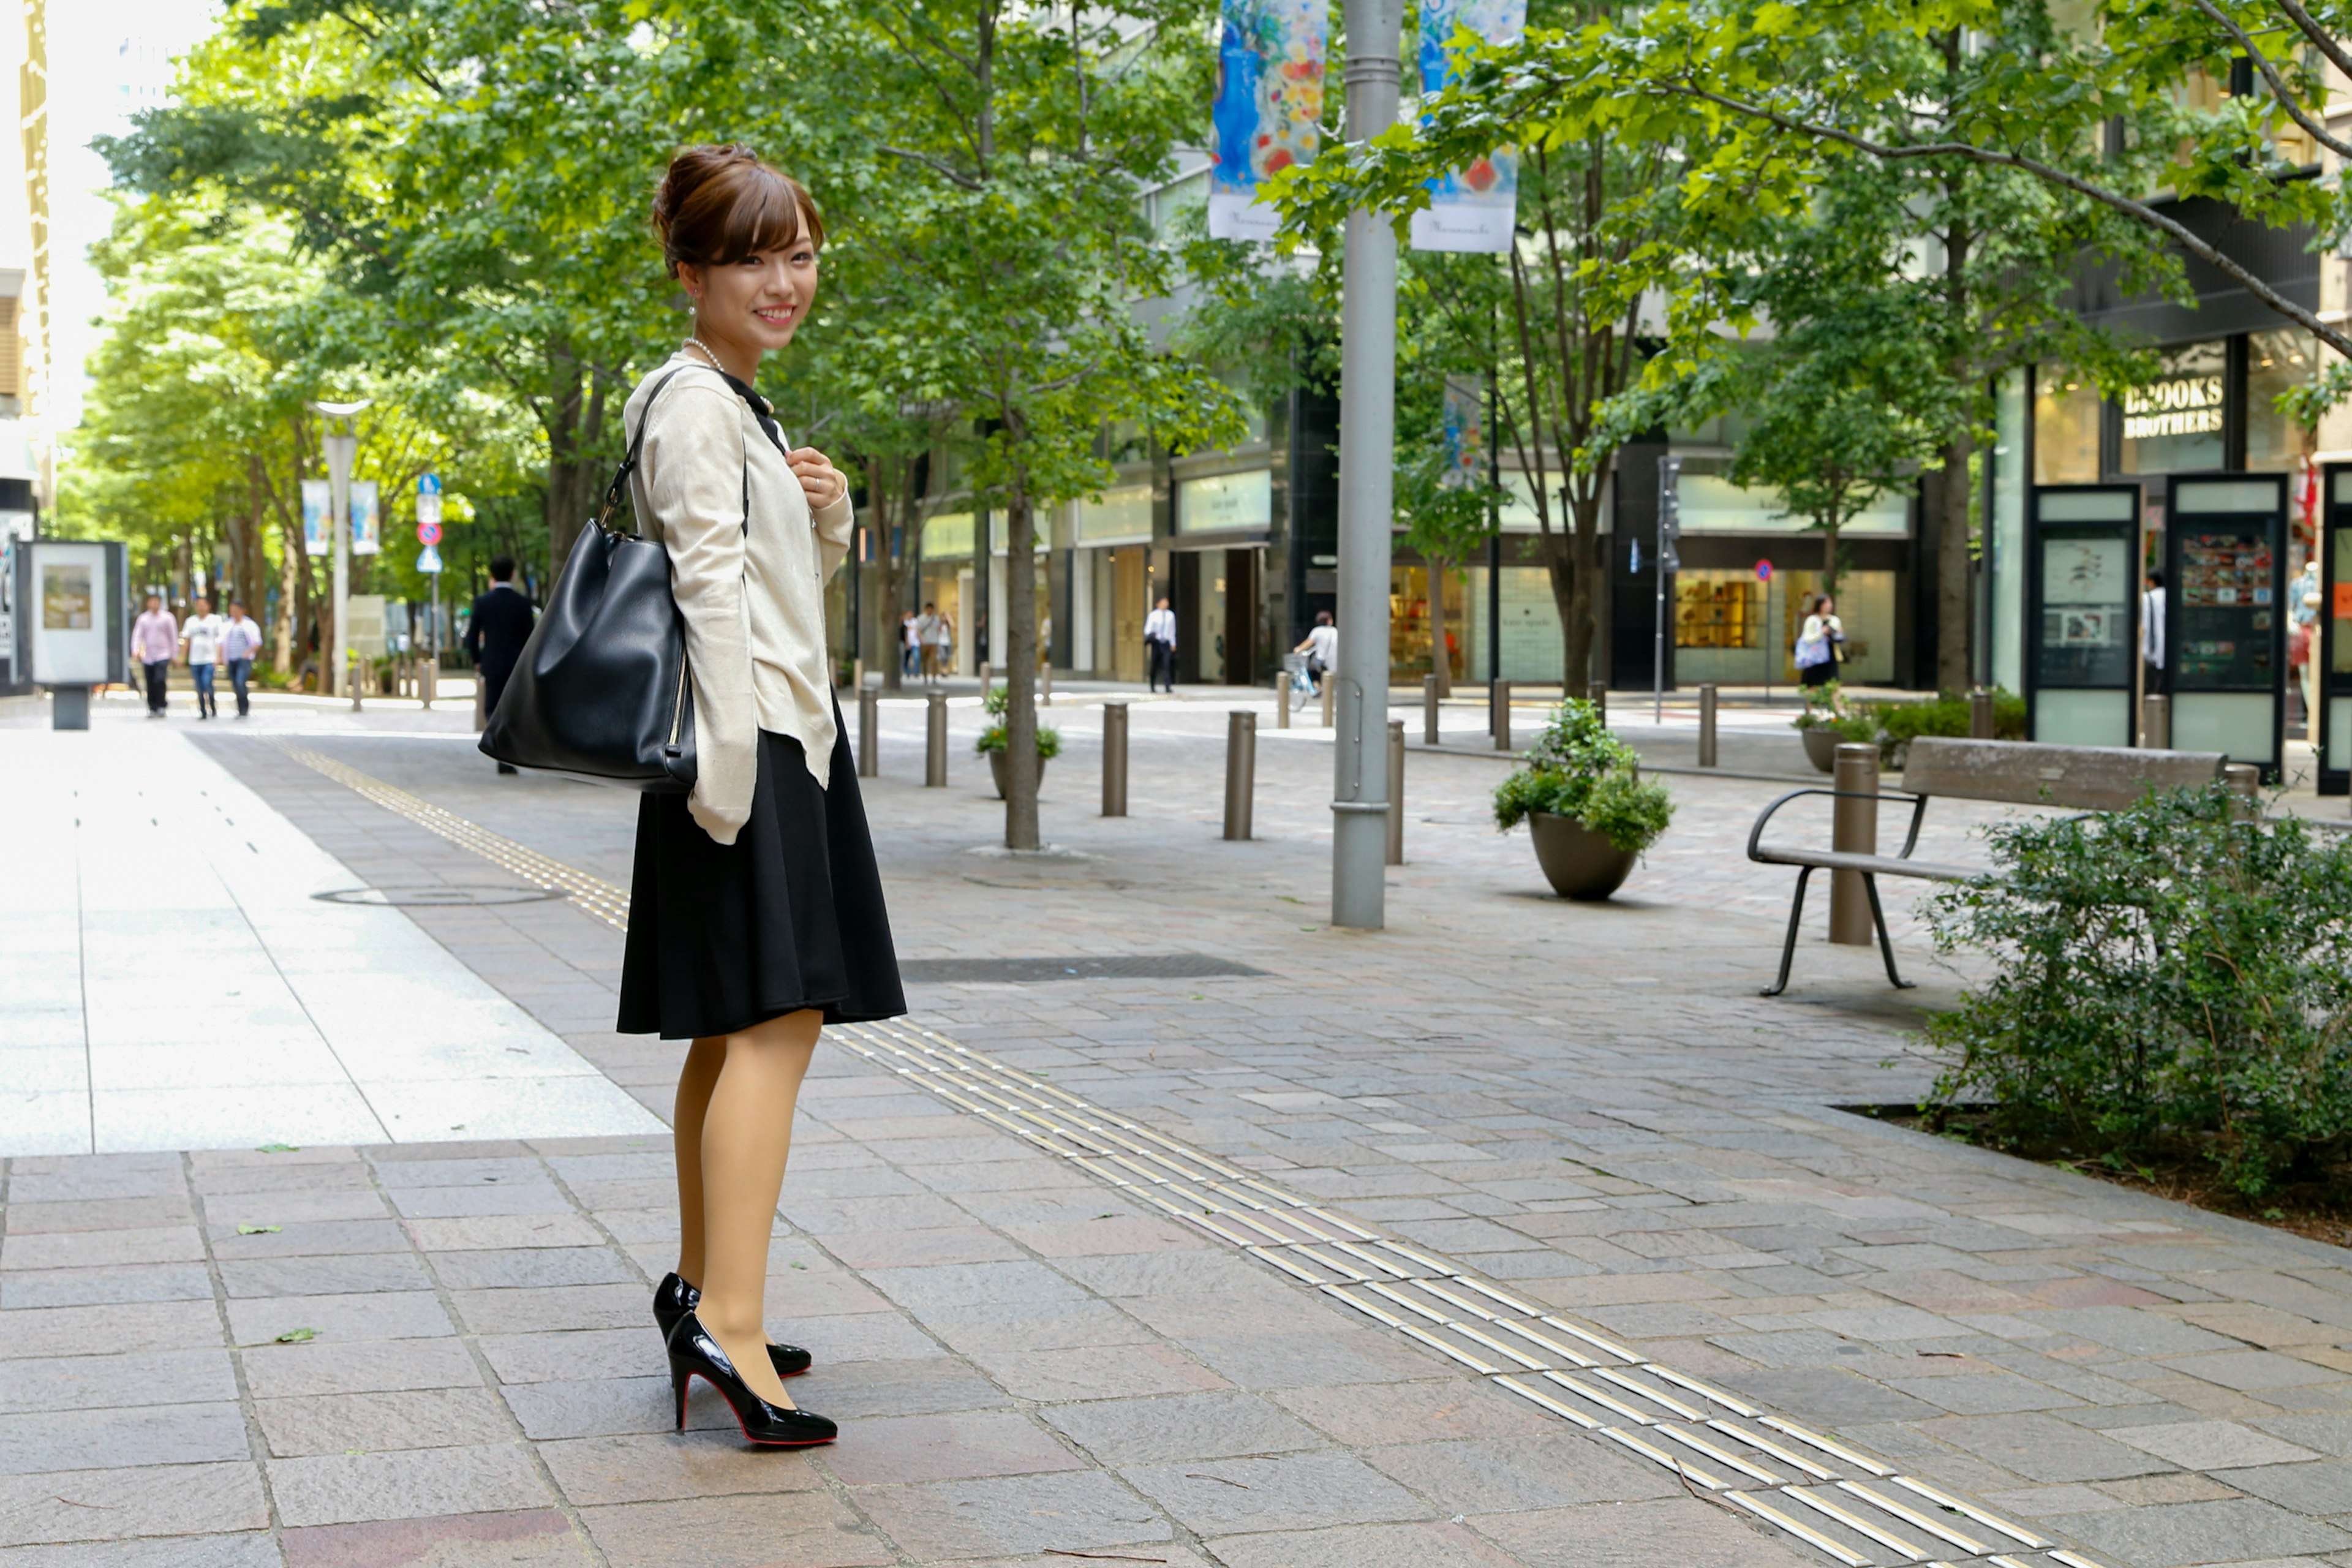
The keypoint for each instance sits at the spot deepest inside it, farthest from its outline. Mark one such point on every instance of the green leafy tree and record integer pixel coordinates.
(1000, 249)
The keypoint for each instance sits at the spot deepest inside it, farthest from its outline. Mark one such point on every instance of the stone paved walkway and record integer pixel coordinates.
(1589, 1108)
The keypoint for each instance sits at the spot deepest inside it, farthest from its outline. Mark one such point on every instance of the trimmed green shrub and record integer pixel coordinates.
(1900, 723)
(993, 702)
(2174, 980)
(1578, 768)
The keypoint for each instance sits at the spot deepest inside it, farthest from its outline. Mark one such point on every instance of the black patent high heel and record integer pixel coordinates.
(694, 1354)
(674, 1299)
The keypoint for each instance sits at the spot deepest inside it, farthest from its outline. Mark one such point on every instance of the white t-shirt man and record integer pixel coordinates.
(240, 638)
(203, 634)
(1159, 625)
(1323, 645)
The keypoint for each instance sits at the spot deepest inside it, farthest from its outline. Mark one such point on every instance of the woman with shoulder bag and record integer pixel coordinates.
(756, 912)
(1820, 644)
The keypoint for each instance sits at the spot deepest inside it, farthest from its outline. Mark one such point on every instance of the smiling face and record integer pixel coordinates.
(755, 303)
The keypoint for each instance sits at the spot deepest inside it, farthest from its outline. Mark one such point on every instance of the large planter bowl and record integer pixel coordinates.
(996, 770)
(1578, 863)
(1820, 747)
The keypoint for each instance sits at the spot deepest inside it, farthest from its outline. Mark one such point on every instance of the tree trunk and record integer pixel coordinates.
(1020, 669)
(1575, 574)
(289, 595)
(887, 610)
(1440, 663)
(1830, 559)
(1953, 623)
(576, 413)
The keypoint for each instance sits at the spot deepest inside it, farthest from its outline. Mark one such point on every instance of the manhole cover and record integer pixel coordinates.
(1044, 971)
(441, 894)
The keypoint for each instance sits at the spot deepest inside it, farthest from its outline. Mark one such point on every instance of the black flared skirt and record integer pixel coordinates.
(788, 917)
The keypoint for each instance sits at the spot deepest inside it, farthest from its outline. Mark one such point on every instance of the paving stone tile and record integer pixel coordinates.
(561, 1357)
(2211, 1445)
(386, 1419)
(1830, 1393)
(300, 1370)
(1982, 1393)
(27, 1219)
(104, 1382)
(553, 1309)
(2254, 1371)
(111, 1438)
(1141, 1431)
(861, 1389)
(101, 1249)
(521, 1198)
(105, 1286)
(736, 1532)
(1558, 1469)
(920, 1248)
(2327, 1434)
(537, 1538)
(2322, 1488)
(528, 1268)
(1291, 1491)
(1088, 1372)
(52, 1332)
(325, 1276)
(1363, 1546)
(321, 1238)
(2140, 1333)
(222, 1215)
(1631, 1534)
(413, 1483)
(595, 1407)
(488, 1231)
(376, 1315)
(970, 1284)
(893, 1450)
(253, 1549)
(2043, 1449)
(116, 1504)
(2227, 1531)
(1370, 1416)
(656, 1468)
(1083, 1510)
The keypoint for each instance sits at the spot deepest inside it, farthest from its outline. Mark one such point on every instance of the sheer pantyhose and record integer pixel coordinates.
(735, 1100)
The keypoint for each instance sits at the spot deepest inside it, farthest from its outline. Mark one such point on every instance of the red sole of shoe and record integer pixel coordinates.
(755, 1442)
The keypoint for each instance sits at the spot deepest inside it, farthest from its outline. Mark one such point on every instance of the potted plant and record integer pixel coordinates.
(1581, 794)
(991, 742)
(1827, 722)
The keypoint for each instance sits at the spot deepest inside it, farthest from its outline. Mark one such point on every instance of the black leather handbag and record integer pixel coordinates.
(601, 690)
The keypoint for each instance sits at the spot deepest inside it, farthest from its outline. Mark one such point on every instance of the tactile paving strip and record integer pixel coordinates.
(1850, 1507)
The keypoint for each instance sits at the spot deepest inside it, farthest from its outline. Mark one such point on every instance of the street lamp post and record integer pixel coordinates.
(1367, 453)
(342, 446)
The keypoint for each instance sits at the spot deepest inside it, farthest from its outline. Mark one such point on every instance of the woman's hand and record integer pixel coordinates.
(824, 483)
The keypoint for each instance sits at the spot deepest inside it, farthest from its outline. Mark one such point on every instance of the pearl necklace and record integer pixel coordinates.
(695, 343)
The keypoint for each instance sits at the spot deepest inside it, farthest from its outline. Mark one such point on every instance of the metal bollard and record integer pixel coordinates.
(1428, 709)
(935, 743)
(1498, 718)
(869, 732)
(2156, 721)
(1979, 714)
(1282, 698)
(2247, 780)
(1396, 791)
(1854, 831)
(1241, 770)
(1707, 725)
(428, 678)
(1596, 694)
(1330, 693)
(354, 677)
(1114, 758)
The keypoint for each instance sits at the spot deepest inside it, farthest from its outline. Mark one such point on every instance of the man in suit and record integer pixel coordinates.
(495, 633)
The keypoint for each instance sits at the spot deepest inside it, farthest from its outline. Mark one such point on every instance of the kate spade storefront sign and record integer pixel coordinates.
(2179, 406)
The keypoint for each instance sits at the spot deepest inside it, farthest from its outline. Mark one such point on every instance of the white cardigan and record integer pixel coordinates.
(753, 596)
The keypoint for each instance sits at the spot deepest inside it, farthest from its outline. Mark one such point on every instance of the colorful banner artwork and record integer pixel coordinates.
(366, 519)
(1465, 432)
(1473, 208)
(317, 498)
(1269, 103)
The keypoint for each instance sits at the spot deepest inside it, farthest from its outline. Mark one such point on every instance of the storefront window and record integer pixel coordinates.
(2065, 427)
(1865, 607)
(1528, 627)
(2173, 425)
(2277, 361)
(1411, 633)
(1721, 626)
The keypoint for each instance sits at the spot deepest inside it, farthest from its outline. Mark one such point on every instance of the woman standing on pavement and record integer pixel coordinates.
(756, 911)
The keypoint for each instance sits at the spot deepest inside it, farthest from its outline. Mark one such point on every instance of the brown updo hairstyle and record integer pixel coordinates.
(719, 203)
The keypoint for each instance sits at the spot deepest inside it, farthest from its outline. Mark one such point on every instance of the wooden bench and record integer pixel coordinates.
(2019, 772)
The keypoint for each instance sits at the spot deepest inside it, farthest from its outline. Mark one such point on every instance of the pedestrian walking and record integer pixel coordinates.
(756, 913)
(910, 644)
(927, 639)
(1321, 648)
(1819, 643)
(154, 639)
(239, 642)
(200, 642)
(1159, 644)
(940, 657)
(2151, 634)
(500, 626)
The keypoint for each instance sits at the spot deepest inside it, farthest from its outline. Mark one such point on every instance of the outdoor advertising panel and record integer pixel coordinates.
(2082, 624)
(71, 623)
(2225, 604)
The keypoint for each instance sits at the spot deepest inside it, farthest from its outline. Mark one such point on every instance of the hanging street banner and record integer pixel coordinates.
(1269, 101)
(318, 498)
(366, 535)
(1465, 432)
(1474, 208)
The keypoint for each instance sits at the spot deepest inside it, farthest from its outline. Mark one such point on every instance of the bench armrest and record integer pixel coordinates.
(1910, 839)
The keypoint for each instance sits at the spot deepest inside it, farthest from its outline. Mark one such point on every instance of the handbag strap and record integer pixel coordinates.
(751, 400)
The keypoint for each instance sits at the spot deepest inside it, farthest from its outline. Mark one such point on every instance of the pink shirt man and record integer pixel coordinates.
(154, 637)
